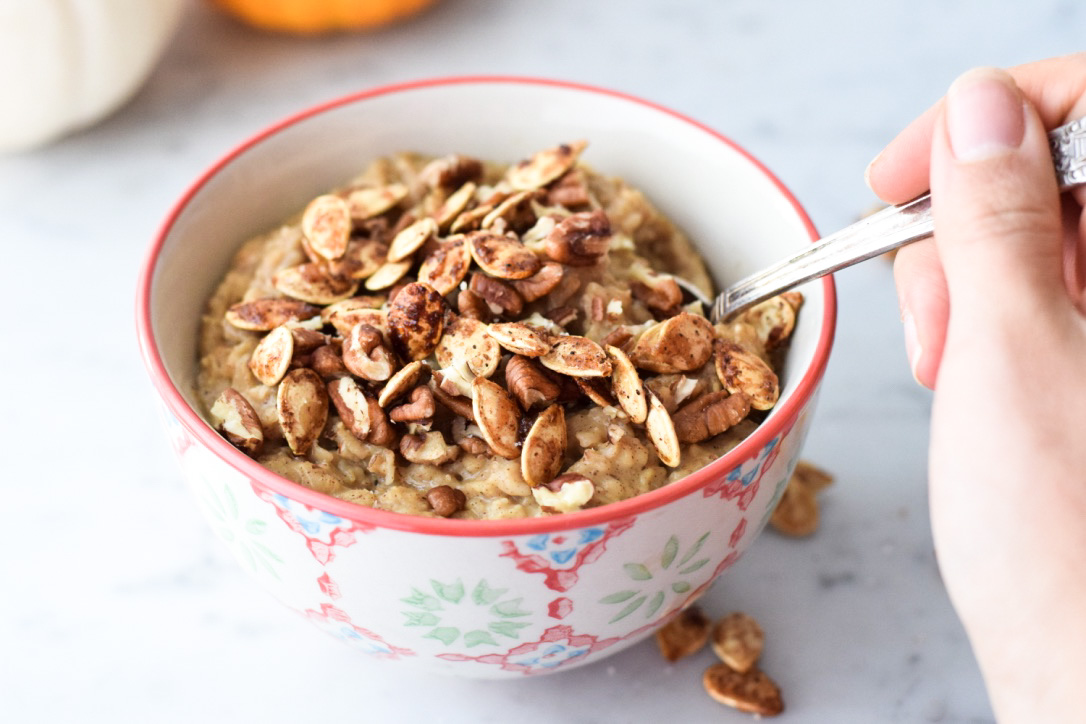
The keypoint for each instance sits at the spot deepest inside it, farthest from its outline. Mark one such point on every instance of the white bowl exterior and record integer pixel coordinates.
(497, 606)
(485, 606)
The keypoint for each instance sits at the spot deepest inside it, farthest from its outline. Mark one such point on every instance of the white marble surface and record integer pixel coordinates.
(118, 604)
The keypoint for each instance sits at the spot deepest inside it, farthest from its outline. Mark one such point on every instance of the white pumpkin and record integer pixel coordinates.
(65, 64)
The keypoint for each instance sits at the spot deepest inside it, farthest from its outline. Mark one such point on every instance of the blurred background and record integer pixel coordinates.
(117, 602)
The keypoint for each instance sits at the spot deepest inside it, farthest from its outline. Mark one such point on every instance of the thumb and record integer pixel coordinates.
(995, 201)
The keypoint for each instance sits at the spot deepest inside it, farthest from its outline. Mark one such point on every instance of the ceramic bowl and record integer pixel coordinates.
(482, 598)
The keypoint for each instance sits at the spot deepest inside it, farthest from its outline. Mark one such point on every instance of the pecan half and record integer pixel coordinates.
(326, 224)
(544, 166)
(577, 357)
(683, 635)
(738, 640)
(365, 354)
(302, 404)
(529, 383)
(580, 239)
(544, 447)
(541, 283)
(446, 500)
(500, 297)
(446, 266)
(741, 370)
(352, 405)
(450, 172)
(264, 315)
(679, 344)
(270, 359)
(710, 415)
(238, 421)
(311, 283)
(497, 416)
(428, 449)
(411, 239)
(752, 692)
(416, 320)
(500, 256)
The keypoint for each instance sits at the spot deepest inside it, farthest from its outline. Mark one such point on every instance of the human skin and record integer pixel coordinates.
(994, 323)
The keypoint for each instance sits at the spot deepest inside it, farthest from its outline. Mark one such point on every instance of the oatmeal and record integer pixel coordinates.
(460, 338)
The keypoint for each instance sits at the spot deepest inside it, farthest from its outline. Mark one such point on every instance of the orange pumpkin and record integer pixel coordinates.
(309, 17)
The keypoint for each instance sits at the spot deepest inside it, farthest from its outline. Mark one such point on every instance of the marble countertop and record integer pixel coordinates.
(118, 603)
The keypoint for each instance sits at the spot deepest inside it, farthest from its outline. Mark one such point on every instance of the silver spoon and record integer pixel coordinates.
(877, 234)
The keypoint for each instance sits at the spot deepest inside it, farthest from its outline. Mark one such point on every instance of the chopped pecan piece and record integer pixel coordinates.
(238, 421)
(326, 224)
(529, 383)
(457, 404)
(710, 415)
(581, 239)
(596, 389)
(416, 321)
(544, 447)
(310, 283)
(500, 256)
(741, 370)
(562, 316)
(472, 306)
(352, 405)
(565, 493)
(428, 449)
(382, 432)
(365, 354)
(514, 213)
(497, 416)
(500, 297)
(541, 283)
(679, 344)
(419, 407)
(270, 359)
(544, 166)
(327, 363)
(264, 315)
(302, 404)
(474, 445)
(446, 500)
(570, 190)
(307, 340)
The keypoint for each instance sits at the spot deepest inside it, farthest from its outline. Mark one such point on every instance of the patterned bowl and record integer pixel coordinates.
(482, 598)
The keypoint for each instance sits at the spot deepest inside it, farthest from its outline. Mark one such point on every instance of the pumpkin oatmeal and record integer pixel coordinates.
(461, 338)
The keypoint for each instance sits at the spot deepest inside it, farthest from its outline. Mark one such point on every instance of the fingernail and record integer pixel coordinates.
(985, 116)
(912, 345)
(867, 171)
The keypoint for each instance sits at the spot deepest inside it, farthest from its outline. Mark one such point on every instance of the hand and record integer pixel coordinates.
(993, 312)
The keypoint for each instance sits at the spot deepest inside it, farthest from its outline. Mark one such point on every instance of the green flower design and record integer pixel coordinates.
(451, 613)
(242, 535)
(651, 589)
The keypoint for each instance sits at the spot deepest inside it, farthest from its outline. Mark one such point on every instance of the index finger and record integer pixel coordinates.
(1056, 87)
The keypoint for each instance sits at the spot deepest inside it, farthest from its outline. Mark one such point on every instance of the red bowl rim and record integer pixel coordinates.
(367, 516)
